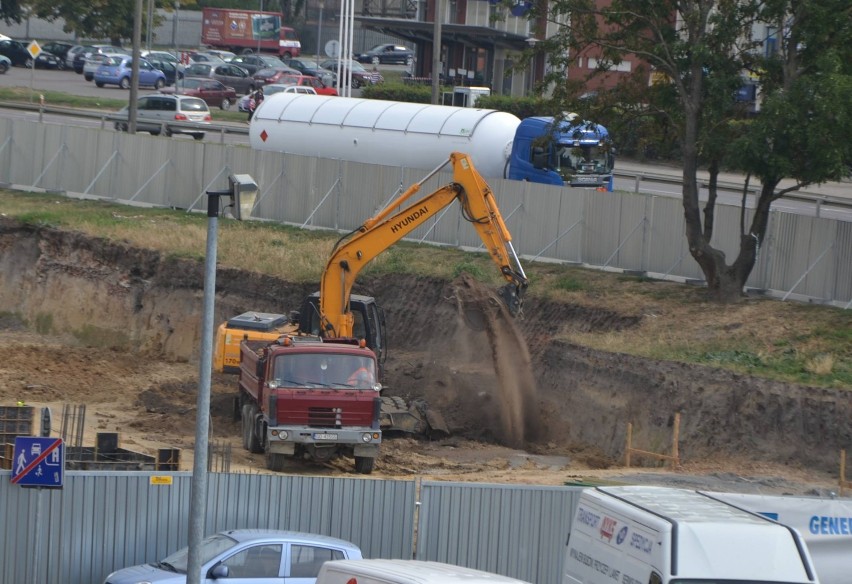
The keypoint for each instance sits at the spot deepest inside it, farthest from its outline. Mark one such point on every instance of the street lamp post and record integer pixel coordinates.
(319, 29)
(243, 192)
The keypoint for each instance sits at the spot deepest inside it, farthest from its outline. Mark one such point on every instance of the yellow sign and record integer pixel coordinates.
(161, 480)
(34, 49)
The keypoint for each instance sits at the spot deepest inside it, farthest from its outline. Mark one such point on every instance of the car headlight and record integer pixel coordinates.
(366, 437)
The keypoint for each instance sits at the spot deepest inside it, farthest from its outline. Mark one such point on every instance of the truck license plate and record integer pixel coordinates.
(324, 436)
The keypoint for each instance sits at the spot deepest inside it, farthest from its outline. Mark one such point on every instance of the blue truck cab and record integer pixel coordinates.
(577, 153)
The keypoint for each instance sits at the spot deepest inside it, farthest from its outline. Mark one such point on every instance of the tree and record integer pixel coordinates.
(96, 19)
(10, 11)
(700, 53)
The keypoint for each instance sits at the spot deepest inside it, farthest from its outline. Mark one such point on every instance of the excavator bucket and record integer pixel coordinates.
(510, 297)
(416, 419)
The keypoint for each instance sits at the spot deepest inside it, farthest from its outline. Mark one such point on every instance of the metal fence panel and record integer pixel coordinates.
(101, 521)
(517, 531)
(801, 255)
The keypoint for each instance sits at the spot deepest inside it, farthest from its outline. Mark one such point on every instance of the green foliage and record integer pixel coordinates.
(398, 92)
(93, 19)
(523, 107)
(468, 267)
(699, 60)
(569, 283)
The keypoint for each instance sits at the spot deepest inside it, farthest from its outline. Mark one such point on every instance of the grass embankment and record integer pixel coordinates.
(787, 341)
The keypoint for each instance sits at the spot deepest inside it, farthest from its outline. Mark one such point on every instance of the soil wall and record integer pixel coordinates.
(109, 295)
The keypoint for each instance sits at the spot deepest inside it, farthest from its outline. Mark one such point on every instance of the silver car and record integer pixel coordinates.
(264, 555)
(157, 113)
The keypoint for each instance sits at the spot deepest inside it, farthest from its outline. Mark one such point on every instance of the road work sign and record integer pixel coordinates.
(38, 462)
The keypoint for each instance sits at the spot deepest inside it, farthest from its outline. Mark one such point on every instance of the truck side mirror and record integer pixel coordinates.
(539, 157)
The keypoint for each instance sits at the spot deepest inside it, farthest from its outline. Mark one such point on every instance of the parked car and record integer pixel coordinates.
(252, 63)
(387, 54)
(171, 70)
(163, 56)
(94, 60)
(204, 57)
(307, 80)
(59, 49)
(89, 50)
(227, 73)
(360, 76)
(272, 75)
(47, 60)
(224, 55)
(265, 556)
(117, 70)
(155, 111)
(312, 68)
(72, 52)
(211, 91)
(5, 63)
(243, 103)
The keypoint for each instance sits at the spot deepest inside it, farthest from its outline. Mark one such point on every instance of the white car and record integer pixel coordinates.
(272, 88)
(259, 556)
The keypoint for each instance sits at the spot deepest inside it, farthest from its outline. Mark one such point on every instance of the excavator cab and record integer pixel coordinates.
(369, 322)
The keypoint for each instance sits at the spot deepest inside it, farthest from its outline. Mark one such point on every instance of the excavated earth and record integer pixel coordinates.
(88, 321)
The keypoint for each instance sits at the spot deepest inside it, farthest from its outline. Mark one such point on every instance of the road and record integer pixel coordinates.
(70, 82)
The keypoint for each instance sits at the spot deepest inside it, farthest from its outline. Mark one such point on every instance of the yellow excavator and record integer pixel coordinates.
(335, 313)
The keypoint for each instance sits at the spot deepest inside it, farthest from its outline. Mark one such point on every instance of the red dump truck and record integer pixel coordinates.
(248, 31)
(309, 397)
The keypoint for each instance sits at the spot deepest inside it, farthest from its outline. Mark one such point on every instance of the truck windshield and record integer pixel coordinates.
(332, 370)
(571, 160)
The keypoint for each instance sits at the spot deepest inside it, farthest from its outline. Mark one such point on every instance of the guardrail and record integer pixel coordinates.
(820, 200)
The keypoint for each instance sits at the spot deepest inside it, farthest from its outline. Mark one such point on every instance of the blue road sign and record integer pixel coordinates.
(38, 462)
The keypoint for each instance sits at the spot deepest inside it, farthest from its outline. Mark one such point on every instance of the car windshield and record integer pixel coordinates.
(210, 547)
(271, 61)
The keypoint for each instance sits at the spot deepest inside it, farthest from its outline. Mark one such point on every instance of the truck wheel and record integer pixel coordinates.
(246, 425)
(364, 464)
(275, 462)
(252, 440)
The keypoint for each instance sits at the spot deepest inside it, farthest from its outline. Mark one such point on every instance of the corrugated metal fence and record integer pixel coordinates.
(802, 257)
(101, 521)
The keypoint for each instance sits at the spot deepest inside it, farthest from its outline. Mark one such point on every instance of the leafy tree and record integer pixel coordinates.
(700, 52)
(10, 11)
(95, 19)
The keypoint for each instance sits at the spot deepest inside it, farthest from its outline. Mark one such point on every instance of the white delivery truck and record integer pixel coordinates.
(404, 572)
(659, 535)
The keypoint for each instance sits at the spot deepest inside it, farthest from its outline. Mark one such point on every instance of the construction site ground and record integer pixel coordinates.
(548, 413)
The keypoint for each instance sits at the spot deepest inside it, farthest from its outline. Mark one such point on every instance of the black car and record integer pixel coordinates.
(17, 53)
(386, 54)
(252, 63)
(169, 69)
(58, 49)
(312, 68)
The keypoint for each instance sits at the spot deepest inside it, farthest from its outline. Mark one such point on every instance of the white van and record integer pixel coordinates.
(404, 572)
(658, 535)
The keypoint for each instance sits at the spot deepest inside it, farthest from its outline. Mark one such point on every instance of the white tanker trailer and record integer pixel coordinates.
(414, 135)
(393, 133)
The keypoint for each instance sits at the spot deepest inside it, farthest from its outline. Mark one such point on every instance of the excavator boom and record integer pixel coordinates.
(355, 250)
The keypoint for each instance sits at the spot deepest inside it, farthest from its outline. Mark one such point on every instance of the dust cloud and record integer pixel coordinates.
(482, 313)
